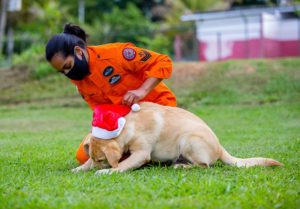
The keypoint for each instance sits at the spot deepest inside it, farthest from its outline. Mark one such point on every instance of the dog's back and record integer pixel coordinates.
(172, 131)
(169, 130)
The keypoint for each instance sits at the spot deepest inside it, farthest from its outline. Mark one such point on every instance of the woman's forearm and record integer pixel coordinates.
(150, 84)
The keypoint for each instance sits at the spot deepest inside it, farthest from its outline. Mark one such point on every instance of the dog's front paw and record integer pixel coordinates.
(76, 170)
(104, 171)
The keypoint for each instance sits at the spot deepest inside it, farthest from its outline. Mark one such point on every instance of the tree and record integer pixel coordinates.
(122, 25)
(2, 23)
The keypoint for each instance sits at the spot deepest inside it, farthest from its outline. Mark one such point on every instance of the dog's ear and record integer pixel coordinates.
(86, 144)
(112, 153)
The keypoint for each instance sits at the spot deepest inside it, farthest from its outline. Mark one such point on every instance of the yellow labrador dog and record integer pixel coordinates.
(161, 133)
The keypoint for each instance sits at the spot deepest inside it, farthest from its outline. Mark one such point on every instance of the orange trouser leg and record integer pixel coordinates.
(81, 155)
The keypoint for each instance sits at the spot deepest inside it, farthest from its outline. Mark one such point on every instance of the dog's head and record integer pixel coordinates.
(104, 153)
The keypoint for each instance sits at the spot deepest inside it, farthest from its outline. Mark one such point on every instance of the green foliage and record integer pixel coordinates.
(247, 3)
(45, 20)
(35, 24)
(96, 9)
(42, 70)
(123, 25)
(196, 6)
(128, 25)
(3, 61)
(159, 43)
(33, 60)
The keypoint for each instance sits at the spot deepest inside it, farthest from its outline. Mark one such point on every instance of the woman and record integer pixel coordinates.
(117, 73)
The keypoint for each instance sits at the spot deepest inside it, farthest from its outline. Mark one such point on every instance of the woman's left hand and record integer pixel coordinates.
(134, 96)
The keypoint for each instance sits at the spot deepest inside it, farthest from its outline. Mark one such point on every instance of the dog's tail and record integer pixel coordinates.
(247, 162)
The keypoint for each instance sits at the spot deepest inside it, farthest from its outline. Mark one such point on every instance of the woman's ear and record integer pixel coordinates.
(78, 52)
(112, 153)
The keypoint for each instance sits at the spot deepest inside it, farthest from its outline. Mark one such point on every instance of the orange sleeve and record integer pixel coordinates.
(135, 59)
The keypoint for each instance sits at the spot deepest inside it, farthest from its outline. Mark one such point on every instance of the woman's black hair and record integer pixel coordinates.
(65, 42)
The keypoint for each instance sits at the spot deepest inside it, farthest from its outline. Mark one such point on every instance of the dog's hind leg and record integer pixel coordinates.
(199, 151)
(181, 162)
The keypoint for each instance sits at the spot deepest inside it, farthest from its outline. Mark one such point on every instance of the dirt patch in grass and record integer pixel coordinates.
(10, 77)
(186, 72)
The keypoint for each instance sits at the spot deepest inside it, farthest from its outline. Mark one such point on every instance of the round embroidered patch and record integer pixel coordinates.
(129, 53)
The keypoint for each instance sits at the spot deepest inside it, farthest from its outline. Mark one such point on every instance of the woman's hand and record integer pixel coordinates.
(134, 96)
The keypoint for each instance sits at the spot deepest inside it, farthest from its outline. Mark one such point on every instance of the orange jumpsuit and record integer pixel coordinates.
(117, 68)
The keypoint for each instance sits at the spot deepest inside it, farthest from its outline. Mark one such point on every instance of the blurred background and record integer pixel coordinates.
(206, 30)
(194, 31)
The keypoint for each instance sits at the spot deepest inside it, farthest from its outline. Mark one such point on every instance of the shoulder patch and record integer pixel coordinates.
(145, 55)
(128, 53)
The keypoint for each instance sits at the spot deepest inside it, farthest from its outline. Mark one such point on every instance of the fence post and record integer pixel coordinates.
(219, 45)
(246, 45)
(197, 44)
(178, 48)
(261, 31)
(299, 34)
(197, 40)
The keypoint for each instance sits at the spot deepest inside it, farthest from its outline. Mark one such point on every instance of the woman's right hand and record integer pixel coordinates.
(133, 96)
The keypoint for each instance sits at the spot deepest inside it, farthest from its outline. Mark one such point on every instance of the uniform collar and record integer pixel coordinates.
(95, 53)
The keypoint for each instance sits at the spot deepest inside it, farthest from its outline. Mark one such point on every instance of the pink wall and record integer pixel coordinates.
(257, 48)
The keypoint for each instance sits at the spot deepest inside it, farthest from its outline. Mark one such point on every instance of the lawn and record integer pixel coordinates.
(253, 107)
(38, 145)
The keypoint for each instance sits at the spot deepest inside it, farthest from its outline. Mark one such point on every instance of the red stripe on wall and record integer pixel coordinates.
(256, 48)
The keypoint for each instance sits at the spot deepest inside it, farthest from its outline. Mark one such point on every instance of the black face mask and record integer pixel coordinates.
(79, 70)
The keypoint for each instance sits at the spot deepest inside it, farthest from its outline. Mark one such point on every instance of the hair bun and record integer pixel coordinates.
(75, 30)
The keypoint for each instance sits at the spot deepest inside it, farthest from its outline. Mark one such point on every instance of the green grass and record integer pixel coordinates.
(244, 82)
(253, 112)
(225, 83)
(38, 146)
